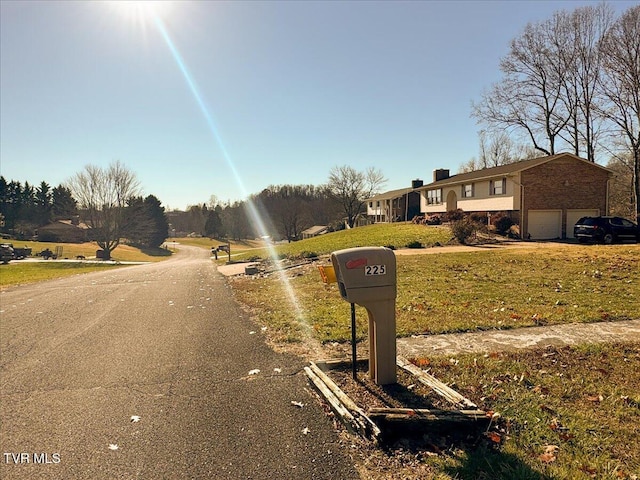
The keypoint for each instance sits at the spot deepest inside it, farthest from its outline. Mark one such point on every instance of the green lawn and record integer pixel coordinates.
(19, 272)
(465, 291)
(397, 235)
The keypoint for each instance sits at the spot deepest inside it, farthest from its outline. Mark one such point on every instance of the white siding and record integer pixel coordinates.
(481, 201)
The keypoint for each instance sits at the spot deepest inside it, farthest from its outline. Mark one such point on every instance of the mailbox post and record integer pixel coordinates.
(367, 276)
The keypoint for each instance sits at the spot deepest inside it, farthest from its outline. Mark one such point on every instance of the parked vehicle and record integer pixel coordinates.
(9, 252)
(6, 252)
(605, 230)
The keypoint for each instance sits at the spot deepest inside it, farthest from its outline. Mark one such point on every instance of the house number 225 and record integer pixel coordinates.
(375, 269)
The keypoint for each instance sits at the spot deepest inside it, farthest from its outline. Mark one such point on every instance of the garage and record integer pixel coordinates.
(545, 224)
(574, 215)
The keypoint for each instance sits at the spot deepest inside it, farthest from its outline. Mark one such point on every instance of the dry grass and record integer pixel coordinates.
(453, 292)
(566, 413)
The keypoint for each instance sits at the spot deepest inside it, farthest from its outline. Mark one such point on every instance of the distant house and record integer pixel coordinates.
(314, 231)
(544, 196)
(64, 231)
(395, 205)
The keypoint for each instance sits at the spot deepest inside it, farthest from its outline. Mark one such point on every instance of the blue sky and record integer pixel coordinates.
(287, 90)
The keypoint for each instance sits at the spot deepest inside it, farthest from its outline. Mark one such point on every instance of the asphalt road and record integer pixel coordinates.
(149, 372)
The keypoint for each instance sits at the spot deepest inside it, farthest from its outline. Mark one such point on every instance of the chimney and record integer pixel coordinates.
(440, 174)
(417, 183)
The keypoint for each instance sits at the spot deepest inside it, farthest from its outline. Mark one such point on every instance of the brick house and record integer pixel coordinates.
(545, 196)
(395, 205)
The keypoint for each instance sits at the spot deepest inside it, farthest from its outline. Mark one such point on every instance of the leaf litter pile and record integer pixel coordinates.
(561, 413)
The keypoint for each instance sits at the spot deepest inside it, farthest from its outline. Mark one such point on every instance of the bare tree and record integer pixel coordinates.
(620, 86)
(576, 37)
(495, 150)
(529, 98)
(350, 189)
(102, 196)
(548, 92)
(621, 190)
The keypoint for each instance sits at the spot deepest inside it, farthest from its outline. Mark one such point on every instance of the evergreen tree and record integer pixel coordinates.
(64, 205)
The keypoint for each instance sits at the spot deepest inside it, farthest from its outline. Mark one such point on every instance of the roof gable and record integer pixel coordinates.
(505, 170)
(391, 194)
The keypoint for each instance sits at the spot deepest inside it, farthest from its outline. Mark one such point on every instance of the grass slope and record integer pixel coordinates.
(398, 235)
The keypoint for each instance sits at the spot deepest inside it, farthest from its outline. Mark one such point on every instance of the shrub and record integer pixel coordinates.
(415, 244)
(479, 217)
(463, 229)
(433, 219)
(502, 222)
(454, 215)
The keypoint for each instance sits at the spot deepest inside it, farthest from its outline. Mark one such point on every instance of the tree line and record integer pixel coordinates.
(570, 82)
(285, 211)
(108, 201)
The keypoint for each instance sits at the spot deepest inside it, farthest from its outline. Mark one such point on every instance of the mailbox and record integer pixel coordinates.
(367, 276)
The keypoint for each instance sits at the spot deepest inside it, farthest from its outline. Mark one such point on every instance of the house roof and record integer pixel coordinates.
(64, 224)
(504, 170)
(315, 230)
(391, 194)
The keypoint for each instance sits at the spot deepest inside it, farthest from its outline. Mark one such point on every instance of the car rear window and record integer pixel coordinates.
(587, 221)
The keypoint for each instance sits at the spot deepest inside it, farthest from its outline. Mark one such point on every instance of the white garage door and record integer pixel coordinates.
(545, 224)
(574, 215)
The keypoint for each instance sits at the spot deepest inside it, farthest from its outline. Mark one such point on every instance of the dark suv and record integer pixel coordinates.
(605, 229)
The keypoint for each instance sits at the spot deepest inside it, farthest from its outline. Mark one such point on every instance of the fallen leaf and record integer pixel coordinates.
(277, 370)
(113, 446)
(549, 454)
(547, 458)
(255, 371)
(494, 437)
(541, 390)
(595, 398)
(297, 404)
(305, 430)
(135, 418)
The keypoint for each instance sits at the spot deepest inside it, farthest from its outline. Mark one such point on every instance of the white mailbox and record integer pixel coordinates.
(367, 276)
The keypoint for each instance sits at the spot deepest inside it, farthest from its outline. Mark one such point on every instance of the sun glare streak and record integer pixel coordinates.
(253, 211)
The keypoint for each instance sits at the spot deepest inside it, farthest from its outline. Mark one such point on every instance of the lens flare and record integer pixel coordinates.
(250, 206)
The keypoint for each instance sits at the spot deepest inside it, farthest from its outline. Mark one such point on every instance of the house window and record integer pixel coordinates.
(434, 197)
(370, 204)
(467, 190)
(498, 187)
(378, 204)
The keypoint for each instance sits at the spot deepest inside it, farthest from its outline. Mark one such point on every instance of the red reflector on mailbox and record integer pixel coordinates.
(358, 262)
